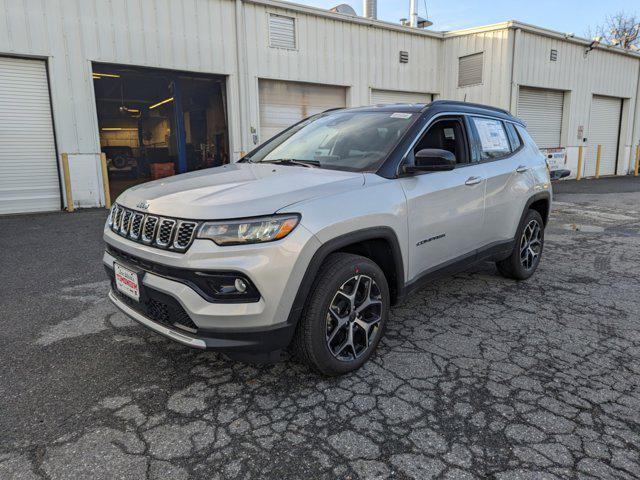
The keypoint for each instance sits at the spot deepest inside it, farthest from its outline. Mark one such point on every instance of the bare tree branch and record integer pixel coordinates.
(620, 30)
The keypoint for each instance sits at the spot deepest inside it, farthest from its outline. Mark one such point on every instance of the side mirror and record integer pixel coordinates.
(432, 160)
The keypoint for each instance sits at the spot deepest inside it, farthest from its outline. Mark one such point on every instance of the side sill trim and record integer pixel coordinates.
(178, 337)
(494, 251)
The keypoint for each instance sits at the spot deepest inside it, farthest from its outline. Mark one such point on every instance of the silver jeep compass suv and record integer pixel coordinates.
(308, 240)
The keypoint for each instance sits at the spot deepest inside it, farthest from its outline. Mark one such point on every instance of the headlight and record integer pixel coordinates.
(251, 230)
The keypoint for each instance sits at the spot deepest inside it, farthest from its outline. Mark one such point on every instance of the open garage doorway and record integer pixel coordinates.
(157, 123)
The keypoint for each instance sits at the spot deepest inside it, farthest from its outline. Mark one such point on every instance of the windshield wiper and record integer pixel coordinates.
(294, 161)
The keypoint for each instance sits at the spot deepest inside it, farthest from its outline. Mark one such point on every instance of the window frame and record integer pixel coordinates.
(511, 127)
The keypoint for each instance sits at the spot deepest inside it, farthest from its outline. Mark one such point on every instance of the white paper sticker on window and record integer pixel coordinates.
(401, 115)
(449, 134)
(492, 135)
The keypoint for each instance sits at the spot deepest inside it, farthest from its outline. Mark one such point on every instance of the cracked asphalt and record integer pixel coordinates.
(477, 376)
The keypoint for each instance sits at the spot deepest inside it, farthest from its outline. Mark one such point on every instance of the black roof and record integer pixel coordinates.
(466, 107)
(390, 107)
(438, 106)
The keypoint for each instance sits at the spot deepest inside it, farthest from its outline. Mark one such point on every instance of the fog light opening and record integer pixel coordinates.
(240, 285)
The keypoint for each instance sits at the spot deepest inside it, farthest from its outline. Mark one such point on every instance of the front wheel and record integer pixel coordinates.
(345, 315)
(524, 259)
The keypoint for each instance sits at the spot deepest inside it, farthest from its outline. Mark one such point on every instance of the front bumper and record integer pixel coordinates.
(262, 341)
(276, 269)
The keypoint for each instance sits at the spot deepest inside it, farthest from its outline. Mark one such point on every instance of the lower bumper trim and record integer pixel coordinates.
(238, 341)
(156, 327)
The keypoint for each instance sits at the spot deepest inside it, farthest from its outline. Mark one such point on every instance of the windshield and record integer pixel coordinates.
(353, 141)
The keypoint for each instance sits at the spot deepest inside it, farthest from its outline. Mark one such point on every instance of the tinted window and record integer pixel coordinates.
(354, 141)
(516, 142)
(446, 135)
(492, 138)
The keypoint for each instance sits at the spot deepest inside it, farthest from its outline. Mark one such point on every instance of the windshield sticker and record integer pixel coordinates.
(401, 115)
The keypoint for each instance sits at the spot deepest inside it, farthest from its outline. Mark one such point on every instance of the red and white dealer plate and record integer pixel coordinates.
(127, 282)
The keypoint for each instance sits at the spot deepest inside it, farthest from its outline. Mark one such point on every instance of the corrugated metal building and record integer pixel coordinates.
(194, 83)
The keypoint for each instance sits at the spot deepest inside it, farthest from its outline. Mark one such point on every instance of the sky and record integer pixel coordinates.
(567, 16)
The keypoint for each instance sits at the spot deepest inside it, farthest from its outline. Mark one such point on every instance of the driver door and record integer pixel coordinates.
(445, 209)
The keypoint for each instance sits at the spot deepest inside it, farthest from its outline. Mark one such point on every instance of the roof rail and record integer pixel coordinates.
(468, 104)
(333, 109)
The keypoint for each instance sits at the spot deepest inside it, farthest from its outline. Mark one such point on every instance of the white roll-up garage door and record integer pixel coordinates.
(284, 103)
(604, 129)
(386, 97)
(28, 172)
(542, 112)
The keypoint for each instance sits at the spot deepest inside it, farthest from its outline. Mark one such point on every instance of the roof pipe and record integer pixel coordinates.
(413, 14)
(370, 9)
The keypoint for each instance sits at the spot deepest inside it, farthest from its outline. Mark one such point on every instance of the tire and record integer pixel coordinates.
(322, 338)
(119, 161)
(530, 235)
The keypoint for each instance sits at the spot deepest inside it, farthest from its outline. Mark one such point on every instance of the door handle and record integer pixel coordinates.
(522, 169)
(473, 180)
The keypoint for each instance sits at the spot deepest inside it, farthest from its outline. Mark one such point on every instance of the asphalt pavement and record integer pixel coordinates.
(478, 376)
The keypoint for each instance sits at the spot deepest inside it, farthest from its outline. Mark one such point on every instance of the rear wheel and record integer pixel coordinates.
(524, 259)
(345, 315)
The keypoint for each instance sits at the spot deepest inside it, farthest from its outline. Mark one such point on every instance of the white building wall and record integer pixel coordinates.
(358, 54)
(200, 36)
(354, 52)
(600, 72)
(189, 35)
(496, 45)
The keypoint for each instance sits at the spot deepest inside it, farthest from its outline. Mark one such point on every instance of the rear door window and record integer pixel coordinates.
(492, 138)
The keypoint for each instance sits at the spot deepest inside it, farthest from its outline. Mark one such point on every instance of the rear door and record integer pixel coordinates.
(509, 181)
(445, 209)
(604, 130)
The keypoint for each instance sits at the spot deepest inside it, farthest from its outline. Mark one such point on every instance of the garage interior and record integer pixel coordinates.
(157, 123)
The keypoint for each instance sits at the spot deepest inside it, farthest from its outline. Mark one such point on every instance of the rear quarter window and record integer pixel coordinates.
(514, 137)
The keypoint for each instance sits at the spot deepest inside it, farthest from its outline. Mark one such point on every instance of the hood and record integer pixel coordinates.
(237, 190)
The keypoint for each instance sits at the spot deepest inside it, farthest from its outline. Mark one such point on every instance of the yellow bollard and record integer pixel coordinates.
(635, 172)
(579, 172)
(598, 155)
(105, 181)
(67, 181)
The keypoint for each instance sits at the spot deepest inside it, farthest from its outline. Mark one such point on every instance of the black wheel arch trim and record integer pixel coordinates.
(535, 198)
(334, 245)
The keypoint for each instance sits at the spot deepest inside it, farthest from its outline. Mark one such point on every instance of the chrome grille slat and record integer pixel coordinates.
(160, 232)
(149, 230)
(126, 221)
(117, 218)
(136, 225)
(165, 232)
(184, 234)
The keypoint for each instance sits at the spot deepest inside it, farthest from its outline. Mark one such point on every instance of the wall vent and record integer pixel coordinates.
(404, 56)
(282, 32)
(554, 55)
(470, 70)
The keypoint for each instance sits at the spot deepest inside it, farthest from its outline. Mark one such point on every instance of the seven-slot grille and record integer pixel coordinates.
(161, 232)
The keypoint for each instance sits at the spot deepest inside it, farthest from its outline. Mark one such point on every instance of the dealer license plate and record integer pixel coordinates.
(127, 281)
